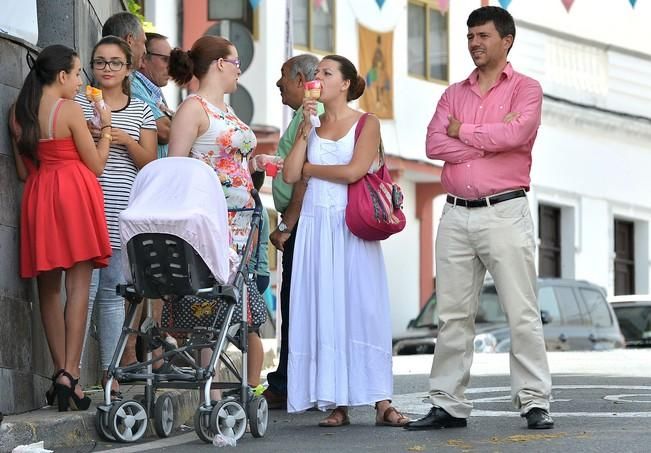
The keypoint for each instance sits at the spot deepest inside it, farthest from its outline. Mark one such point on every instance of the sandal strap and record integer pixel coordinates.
(338, 412)
(73, 381)
(392, 410)
(56, 375)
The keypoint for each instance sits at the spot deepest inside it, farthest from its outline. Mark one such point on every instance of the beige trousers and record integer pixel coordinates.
(499, 239)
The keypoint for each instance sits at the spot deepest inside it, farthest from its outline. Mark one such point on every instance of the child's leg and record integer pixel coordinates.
(254, 359)
(206, 353)
(49, 295)
(77, 287)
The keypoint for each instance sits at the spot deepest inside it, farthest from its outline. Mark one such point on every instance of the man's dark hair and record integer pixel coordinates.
(151, 36)
(500, 17)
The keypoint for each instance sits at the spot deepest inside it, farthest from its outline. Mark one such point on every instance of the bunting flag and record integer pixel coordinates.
(380, 3)
(505, 3)
(567, 4)
(444, 5)
(322, 5)
(254, 3)
(632, 2)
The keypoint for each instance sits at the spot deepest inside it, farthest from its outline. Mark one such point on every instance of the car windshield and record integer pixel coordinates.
(489, 311)
(635, 324)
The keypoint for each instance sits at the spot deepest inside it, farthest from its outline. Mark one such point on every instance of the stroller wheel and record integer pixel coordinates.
(202, 424)
(101, 423)
(258, 412)
(228, 418)
(127, 421)
(164, 415)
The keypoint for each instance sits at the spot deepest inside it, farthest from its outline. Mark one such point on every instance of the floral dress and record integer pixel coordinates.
(226, 146)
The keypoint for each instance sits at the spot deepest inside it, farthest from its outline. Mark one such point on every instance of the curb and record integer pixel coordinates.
(74, 429)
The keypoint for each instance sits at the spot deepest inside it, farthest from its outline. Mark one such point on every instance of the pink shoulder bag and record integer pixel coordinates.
(374, 209)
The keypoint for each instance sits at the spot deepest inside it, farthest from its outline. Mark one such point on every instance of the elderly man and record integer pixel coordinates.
(288, 200)
(147, 82)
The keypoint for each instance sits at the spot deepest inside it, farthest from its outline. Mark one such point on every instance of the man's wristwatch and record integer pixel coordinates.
(283, 228)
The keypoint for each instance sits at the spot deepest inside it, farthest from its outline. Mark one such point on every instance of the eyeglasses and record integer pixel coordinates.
(114, 65)
(165, 58)
(235, 61)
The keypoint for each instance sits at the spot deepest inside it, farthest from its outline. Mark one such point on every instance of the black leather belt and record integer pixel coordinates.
(486, 201)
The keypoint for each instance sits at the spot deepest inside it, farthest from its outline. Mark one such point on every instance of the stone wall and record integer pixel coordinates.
(25, 364)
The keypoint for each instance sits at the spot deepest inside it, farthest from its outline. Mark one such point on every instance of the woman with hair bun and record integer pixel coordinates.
(206, 128)
(340, 341)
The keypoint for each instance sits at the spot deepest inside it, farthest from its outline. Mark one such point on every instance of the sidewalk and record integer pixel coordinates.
(70, 429)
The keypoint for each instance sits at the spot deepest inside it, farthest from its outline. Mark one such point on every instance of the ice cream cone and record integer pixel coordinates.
(312, 89)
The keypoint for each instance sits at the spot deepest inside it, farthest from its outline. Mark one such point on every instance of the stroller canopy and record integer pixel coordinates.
(180, 196)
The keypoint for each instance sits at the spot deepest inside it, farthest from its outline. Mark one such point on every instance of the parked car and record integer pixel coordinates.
(634, 316)
(575, 316)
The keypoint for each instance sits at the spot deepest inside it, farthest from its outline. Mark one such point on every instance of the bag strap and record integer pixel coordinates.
(360, 125)
(358, 130)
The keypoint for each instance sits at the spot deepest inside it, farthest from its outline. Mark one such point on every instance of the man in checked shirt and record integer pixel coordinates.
(484, 129)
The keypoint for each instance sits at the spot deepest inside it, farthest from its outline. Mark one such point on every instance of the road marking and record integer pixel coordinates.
(417, 403)
(158, 444)
(625, 398)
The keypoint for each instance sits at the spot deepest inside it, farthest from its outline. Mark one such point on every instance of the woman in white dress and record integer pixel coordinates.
(340, 340)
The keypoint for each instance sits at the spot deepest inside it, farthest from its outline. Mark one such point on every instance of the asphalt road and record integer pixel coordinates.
(601, 403)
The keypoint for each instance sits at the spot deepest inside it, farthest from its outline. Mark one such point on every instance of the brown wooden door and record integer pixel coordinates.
(624, 257)
(549, 252)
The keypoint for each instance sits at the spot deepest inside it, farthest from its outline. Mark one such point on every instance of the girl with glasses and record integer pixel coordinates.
(62, 227)
(132, 135)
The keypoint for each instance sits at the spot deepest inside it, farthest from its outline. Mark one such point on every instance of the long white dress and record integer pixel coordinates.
(340, 329)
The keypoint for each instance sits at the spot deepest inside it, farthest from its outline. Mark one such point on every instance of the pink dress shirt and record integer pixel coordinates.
(489, 156)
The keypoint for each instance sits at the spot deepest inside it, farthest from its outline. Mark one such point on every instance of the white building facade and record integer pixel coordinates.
(589, 185)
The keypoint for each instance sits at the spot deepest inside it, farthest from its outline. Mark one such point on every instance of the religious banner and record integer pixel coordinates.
(376, 67)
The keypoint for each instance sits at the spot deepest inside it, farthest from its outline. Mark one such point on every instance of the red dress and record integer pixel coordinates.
(62, 215)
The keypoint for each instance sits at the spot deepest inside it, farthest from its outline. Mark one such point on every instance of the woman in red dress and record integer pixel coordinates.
(63, 228)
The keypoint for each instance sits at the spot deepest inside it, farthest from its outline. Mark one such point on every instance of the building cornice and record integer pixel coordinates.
(570, 114)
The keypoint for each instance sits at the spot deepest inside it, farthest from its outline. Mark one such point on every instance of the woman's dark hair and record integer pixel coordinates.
(126, 50)
(349, 72)
(501, 18)
(183, 65)
(44, 71)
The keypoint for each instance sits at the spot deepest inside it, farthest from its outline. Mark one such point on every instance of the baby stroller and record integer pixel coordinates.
(176, 238)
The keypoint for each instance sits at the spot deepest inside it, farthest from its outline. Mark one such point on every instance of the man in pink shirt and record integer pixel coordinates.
(484, 129)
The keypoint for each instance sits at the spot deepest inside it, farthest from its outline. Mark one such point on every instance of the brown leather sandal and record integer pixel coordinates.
(338, 417)
(391, 417)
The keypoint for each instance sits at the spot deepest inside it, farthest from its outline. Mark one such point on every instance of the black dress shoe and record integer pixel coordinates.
(275, 400)
(538, 418)
(437, 418)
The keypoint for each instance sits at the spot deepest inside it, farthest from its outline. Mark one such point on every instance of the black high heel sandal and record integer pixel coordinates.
(67, 398)
(51, 393)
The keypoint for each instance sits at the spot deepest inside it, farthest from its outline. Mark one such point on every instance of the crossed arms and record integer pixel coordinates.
(455, 141)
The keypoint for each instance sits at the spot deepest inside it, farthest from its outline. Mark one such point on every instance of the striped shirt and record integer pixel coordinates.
(120, 170)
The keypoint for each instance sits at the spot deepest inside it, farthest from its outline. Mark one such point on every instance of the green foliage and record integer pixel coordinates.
(134, 8)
